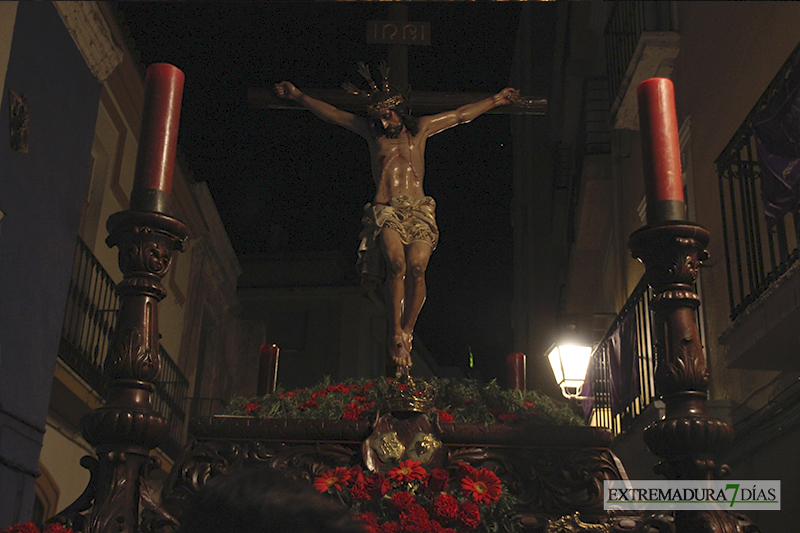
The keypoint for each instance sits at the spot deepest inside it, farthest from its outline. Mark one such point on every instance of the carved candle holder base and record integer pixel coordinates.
(688, 439)
(127, 427)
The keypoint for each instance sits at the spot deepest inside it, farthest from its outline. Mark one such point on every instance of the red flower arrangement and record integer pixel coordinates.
(30, 527)
(410, 499)
(458, 401)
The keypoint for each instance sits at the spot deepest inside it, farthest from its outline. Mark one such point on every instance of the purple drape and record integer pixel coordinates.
(622, 350)
(777, 134)
(623, 359)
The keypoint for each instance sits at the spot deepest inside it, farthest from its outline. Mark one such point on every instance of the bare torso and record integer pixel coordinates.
(398, 166)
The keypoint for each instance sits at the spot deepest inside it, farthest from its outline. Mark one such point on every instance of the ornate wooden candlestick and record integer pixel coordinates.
(688, 439)
(126, 428)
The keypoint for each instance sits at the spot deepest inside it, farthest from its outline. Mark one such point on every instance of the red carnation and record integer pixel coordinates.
(319, 394)
(351, 414)
(444, 416)
(407, 471)
(446, 507)
(390, 527)
(356, 474)
(283, 395)
(335, 478)
(369, 522)
(251, 407)
(507, 417)
(360, 493)
(401, 501)
(308, 404)
(469, 514)
(438, 480)
(415, 520)
(377, 486)
(435, 527)
(483, 486)
(24, 527)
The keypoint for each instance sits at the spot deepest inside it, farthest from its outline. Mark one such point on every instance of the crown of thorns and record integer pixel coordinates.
(379, 97)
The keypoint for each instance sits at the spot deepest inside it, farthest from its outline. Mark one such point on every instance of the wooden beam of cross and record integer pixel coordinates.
(422, 102)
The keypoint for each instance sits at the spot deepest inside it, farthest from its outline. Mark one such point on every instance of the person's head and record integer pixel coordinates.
(263, 500)
(390, 120)
(387, 107)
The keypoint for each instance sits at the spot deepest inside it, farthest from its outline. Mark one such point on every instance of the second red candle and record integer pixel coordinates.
(661, 152)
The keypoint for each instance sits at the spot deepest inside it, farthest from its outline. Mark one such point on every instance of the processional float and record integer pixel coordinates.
(555, 472)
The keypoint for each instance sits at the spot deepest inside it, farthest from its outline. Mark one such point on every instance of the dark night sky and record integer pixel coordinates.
(285, 181)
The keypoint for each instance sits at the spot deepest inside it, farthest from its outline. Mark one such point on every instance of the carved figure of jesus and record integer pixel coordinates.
(400, 222)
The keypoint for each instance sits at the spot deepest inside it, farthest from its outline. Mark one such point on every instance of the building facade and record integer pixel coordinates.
(72, 100)
(729, 62)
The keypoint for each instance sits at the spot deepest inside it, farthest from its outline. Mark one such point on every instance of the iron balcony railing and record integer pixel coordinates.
(89, 321)
(90, 317)
(172, 387)
(627, 21)
(636, 314)
(637, 308)
(755, 256)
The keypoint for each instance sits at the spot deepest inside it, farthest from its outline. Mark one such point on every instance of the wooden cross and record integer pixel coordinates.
(423, 102)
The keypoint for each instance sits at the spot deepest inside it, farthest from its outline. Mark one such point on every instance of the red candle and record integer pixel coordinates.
(516, 375)
(155, 161)
(268, 369)
(661, 151)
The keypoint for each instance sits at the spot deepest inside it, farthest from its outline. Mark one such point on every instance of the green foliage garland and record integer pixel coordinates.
(457, 400)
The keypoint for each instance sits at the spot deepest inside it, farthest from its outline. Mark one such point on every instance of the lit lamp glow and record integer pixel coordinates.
(569, 363)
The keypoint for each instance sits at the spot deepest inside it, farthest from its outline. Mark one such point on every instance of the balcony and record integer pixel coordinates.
(89, 321)
(622, 394)
(642, 42)
(621, 371)
(761, 259)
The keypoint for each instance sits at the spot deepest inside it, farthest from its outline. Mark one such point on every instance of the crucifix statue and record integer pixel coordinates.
(397, 148)
(400, 231)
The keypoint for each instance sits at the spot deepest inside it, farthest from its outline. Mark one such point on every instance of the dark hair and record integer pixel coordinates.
(406, 119)
(264, 500)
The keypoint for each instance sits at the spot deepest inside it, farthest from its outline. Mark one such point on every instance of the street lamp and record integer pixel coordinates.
(569, 362)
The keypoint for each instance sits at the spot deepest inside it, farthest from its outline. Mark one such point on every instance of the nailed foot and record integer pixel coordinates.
(400, 350)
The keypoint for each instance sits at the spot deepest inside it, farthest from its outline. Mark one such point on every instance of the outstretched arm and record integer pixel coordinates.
(433, 124)
(323, 110)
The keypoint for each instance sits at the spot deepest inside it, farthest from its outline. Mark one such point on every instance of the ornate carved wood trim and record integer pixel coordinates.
(552, 470)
